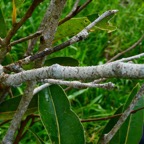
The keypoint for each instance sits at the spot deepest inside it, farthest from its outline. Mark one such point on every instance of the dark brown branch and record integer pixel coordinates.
(109, 117)
(22, 127)
(21, 22)
(37, 34)
(127, 50)
(76, 9)
(31, 124)
(6, 121)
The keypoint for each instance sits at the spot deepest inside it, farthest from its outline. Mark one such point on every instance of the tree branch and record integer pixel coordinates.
(110, 70)
(80, 36)
(76, 9)
(130, 58)
(129, 49)
(22, 21)
(48, 25)
(9, 137)
(54, 12)
(5, 48)
(79, 85)
(109, 117)
(37, 34)
(109, 136)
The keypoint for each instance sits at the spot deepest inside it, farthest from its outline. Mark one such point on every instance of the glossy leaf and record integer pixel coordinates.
(65, 61)
(75, 25)
(71, 27)
(110, 125)
(9, 107)
(106, 25)
(131, 131)
(3, 27)
(61, 123)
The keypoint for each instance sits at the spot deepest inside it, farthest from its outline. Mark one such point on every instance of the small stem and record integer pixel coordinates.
(79, 37)
(108, 117)
(28, 14)
(127, 50)
(76, 9)
(21, 129)
(37, 34)
(78, 84)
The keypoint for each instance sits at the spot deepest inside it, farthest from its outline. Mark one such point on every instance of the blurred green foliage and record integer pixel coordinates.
(98, 48)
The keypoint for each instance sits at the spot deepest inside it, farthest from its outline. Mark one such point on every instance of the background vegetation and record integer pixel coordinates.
(98, 48)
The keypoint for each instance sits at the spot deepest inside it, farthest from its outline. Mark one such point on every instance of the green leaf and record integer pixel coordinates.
(71, 27)
(61, 123)
(9, 107)
(110, 125)
(3, 27)
(106, 25)
(131, 131)
(65, 61)
(38, 139)
(75, 25)
(16, 4)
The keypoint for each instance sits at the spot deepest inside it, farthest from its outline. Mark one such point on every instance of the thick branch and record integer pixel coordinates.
(48, 25)
(110, 70)
(80, 36)
(8, 139)
(54, 11)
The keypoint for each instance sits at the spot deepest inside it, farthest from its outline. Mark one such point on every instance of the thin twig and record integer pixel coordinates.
(130, 58)
(80, 36)
(124, 59)
(38, 89)
(6, 121)
(22, 131)
(107, 137)
(55, 9)
(47, 51)
(79, 85)
(31, 124)
(22, 21)
(37, 34)
(76, 9)
(127, 50)
(109, 117)
(6, 48)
